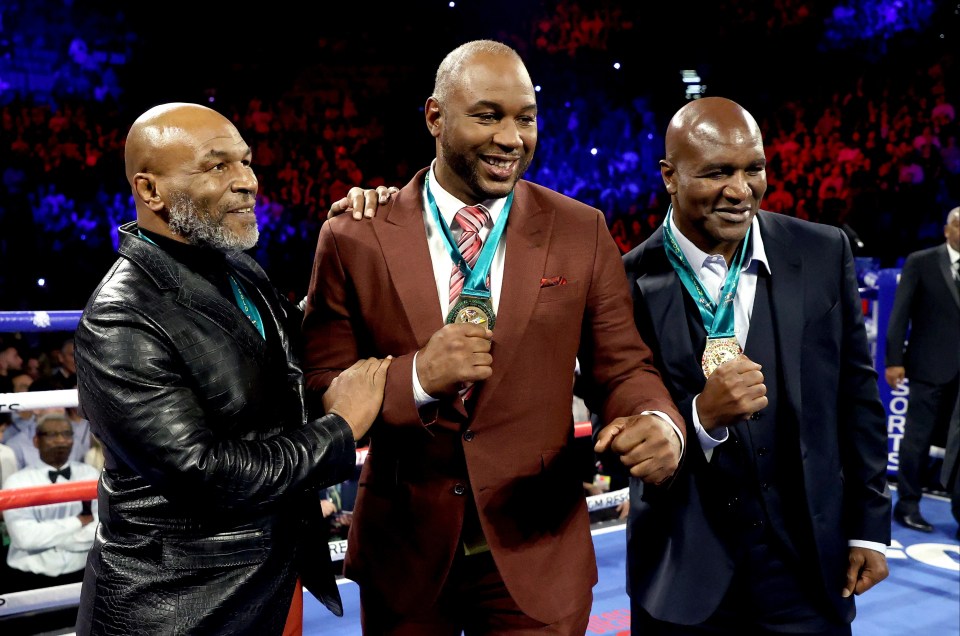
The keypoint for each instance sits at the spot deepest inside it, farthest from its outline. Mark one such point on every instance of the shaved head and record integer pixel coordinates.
(161, 130)
(189, 170)
(715, 172)
(450, 71)
(952, 228)
(712, 120)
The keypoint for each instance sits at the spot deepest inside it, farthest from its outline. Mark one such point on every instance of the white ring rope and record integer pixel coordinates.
(30, 400)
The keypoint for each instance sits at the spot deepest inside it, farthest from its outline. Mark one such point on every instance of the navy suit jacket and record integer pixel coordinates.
(928, 301)
(678, 565)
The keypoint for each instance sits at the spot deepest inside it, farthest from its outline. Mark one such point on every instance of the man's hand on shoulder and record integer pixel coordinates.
(362, 203)
(647, 444)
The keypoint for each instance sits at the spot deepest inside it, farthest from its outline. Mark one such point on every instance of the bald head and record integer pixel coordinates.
(952, 229)
(715, 173)
(190, 173)
(711, 120)
(450, 71)
(163, 130)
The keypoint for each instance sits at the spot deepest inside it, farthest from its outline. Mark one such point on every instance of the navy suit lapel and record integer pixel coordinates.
(663, 294)
(944, 265)
(787, 292)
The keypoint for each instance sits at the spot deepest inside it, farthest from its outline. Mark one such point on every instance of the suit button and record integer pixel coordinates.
(764, 485)
(733, 501)
(755, 416)
(468, 436)
(758, 523)
(762, 451)
(459, 489)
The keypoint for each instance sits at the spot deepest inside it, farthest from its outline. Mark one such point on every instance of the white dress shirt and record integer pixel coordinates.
(8, 463)
(50, 539)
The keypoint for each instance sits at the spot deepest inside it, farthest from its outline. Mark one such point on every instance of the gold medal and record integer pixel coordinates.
(472, 309)
(718, 351)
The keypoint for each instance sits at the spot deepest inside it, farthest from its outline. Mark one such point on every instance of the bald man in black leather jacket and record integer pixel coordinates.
(188, 374)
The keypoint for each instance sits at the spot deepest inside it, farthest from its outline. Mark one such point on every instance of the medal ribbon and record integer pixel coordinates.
(475, 280)
(717, 318)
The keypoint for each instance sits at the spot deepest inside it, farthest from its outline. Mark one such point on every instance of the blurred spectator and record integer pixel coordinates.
(49, 544)
(22, 443)
(10, 361)
(64, 375)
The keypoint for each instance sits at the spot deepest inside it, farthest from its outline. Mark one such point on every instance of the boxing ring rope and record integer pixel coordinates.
(33, 321)
(63, 596)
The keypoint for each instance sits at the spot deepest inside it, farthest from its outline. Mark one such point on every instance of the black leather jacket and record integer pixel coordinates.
(208, 498)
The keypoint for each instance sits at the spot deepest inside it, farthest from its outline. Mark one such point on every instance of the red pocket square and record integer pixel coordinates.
(553, 280)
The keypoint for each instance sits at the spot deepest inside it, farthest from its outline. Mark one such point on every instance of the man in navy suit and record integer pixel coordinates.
(780, 512)
(928, 302)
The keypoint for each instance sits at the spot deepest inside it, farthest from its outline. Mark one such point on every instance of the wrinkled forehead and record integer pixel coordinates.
(726, 134)
(193, 143)
(715, 143)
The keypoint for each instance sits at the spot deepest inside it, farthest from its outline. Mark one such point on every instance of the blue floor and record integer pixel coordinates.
(921, 595)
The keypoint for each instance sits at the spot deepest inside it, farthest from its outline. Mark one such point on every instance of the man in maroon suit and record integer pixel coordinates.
(487, 290)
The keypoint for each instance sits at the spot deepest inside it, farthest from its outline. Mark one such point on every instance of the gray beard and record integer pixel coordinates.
(206, 228)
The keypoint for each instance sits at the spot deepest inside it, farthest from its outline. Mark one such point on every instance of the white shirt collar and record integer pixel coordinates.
(449, 205)
(954, 254)
(697, 257)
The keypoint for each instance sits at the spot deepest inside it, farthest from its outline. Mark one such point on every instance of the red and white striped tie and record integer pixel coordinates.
(470, 219)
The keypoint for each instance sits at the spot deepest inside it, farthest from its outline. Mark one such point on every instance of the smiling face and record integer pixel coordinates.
(486, 127)
(715, 172)
(190, 167)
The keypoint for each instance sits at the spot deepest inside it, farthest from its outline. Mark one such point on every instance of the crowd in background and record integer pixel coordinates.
(875, 152)
(871, 151)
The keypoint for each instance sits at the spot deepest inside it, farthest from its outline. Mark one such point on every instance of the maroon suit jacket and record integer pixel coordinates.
(373, 293)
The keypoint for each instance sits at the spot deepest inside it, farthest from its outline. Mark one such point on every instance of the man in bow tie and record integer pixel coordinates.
(49, 544)
(486, 289)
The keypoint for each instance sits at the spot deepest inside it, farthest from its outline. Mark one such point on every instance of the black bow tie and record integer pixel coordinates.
(65, 472)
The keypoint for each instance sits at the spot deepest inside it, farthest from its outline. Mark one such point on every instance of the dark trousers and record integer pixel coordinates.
(929, 404)
(474, 601)
(768, 595)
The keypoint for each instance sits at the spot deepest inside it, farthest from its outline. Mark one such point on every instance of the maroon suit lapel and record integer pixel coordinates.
(403, 240)
(527, 234)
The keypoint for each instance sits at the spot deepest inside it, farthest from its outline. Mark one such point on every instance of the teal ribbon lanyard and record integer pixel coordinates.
(717, 317)
(475, 279)
(245, 304)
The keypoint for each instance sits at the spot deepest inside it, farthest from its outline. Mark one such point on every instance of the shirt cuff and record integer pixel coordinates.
(663, 416)
(871, 545)
(420, 397)
(707, 441)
